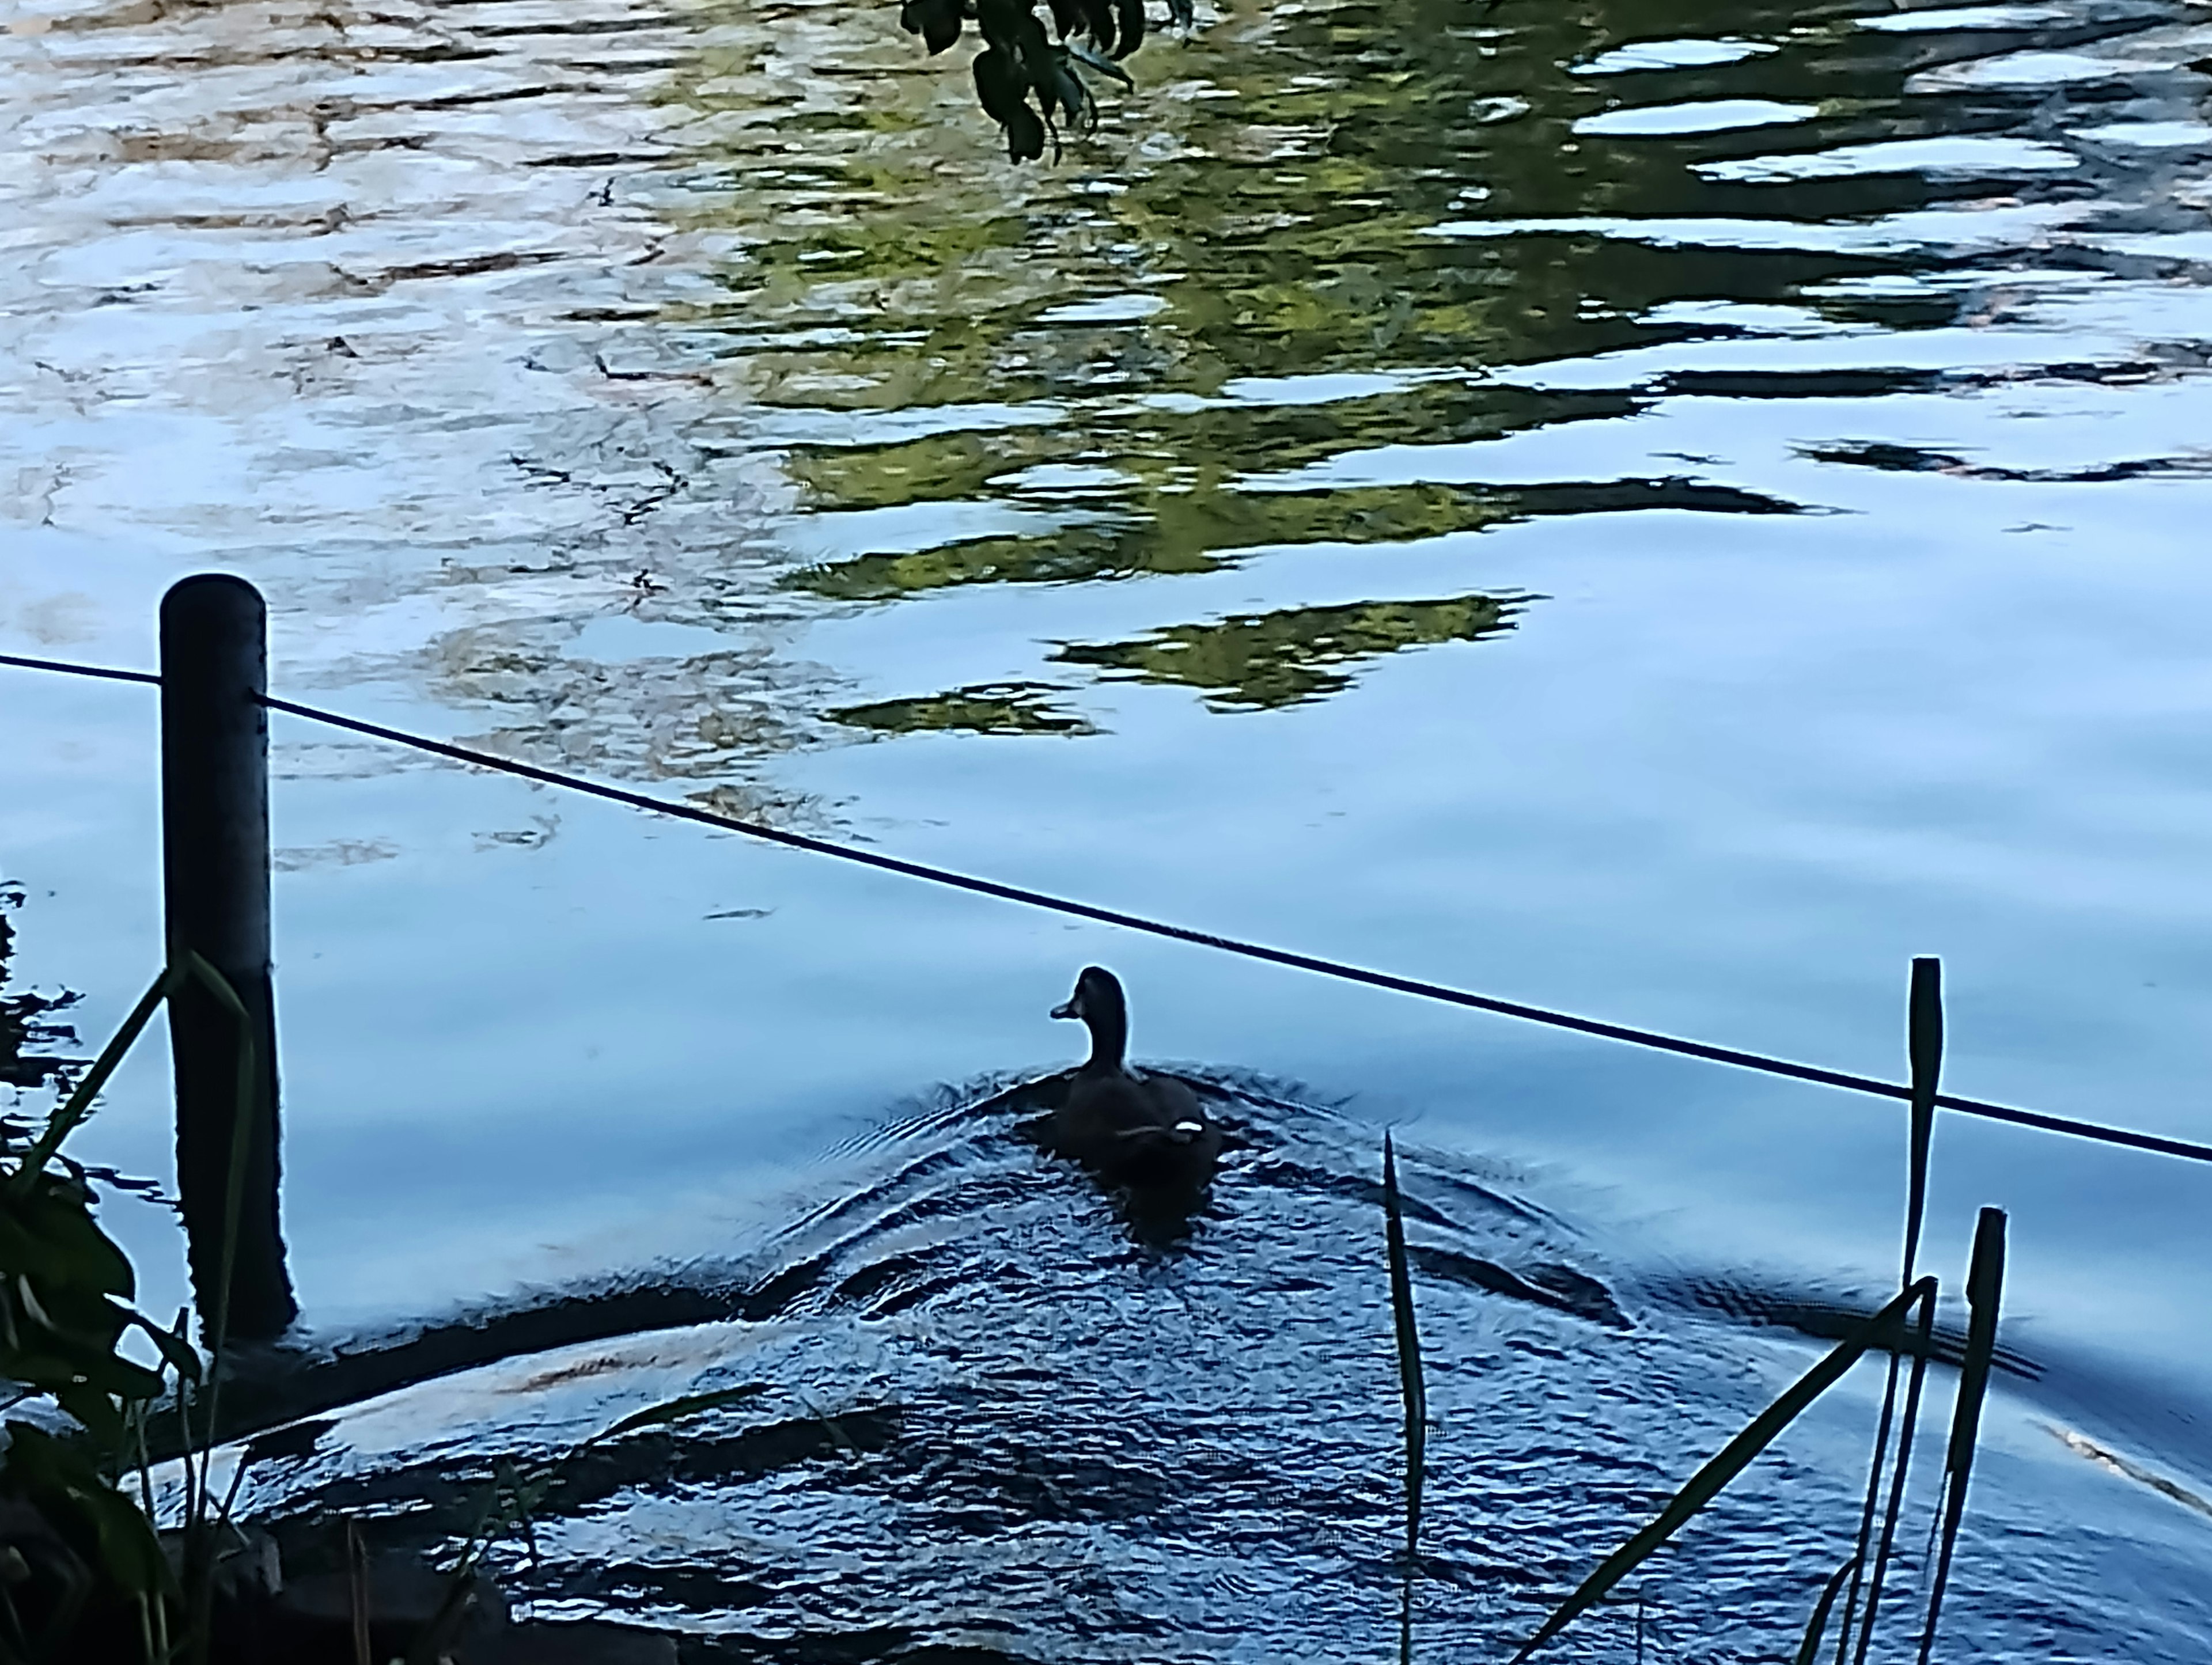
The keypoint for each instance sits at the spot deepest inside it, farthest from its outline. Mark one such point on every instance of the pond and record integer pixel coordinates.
(1664, 513)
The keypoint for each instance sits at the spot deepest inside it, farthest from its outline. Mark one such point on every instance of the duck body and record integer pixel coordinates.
(1127, 1127)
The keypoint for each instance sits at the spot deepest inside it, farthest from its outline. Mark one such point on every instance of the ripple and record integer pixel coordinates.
(977, 1405)
(1711, 116)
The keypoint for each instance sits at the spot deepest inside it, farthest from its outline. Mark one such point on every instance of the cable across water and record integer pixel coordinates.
(1736, 1058)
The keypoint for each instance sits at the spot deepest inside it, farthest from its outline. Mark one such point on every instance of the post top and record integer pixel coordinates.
(212, 590)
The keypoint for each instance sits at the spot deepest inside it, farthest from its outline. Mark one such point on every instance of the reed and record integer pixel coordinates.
(1864, 1572)
(1923, 1048)
(67, 1311)
(1984, 1290)
(1880, 1330)
(1809, 1649)
(1411, 1385)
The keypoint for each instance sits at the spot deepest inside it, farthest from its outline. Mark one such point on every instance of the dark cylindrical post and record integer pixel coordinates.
(215, 871)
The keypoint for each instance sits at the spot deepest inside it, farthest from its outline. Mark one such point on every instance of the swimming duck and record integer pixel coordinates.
(1125, 1126)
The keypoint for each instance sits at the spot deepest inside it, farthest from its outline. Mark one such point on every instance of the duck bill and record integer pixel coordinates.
(1066, 1009)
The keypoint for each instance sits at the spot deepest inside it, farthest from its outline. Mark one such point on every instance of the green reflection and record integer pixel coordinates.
(986, 709)
(1199, 532)
(1266, 660)
(1064, 555)
(1135, 450)
(1280, 302)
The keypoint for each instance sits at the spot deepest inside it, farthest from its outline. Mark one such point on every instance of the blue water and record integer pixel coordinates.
(1665, 517)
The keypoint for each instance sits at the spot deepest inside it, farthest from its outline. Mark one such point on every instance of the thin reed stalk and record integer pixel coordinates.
(78, 1105)
(1984, 1291)
(1702, 1487)
(1923, 1345)
(1411, 1384)
(1809, 1649)
(1923, 1048)
(1875, 1466)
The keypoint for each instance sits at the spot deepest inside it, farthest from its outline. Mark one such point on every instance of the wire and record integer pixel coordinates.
(1642, 1037)
(1652, 1039)
(99, 671)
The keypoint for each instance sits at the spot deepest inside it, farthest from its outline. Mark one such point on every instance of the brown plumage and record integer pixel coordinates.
(1126, 1126)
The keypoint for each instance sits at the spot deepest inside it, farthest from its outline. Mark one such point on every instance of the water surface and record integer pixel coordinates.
(1667, 516)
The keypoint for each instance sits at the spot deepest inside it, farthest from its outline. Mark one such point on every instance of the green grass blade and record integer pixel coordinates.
(78, 1104)
(1733, 1458)
(1410, 1381)
(233, 1196)
(1809, 1649)
(176, 1352)
(1984, 1290)
(201, 1530)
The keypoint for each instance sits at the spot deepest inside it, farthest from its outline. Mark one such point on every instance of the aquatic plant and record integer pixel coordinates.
(1030, 81)
(1886, 1329)
(65, 1289)
(1411, 1384)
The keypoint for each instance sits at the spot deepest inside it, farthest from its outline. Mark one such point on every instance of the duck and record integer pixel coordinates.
(1127, 1127)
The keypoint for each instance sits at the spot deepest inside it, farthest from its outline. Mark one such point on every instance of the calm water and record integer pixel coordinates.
(1663, 511)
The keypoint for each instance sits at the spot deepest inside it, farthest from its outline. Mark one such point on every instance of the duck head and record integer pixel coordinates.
(1099, 1004)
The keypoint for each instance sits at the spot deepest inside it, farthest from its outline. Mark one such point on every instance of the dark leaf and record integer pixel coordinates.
(937, 21)
(1098, 22)
(1034, 48)
(129, 1551)
(1026, 136)
(997, 21)
(175, 1351)
(94, 1409)
(122, 1377)
(56, 1240)
(1984, 1291)
(100, 1524)
(999, 86)
(1412, 1383)
(1817, 1626)
(1066, 16)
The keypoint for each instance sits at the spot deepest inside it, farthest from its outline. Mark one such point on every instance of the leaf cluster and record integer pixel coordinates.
(1027, 79)
(64, 1313)
(65, 1289)
(63, 1286)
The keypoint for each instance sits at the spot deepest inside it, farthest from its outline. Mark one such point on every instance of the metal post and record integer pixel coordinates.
(215, 871)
